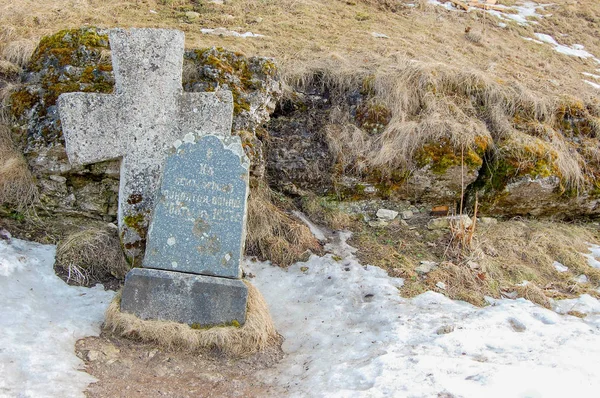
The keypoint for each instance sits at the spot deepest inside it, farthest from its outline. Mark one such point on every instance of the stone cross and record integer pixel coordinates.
(140, 121)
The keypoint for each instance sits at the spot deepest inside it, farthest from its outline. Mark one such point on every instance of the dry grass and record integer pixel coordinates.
(292, 30)
(499, 260)
(257, 334)
(427, 103)
(17, 186)
(326, 212)
(91, 255)
(273, 234)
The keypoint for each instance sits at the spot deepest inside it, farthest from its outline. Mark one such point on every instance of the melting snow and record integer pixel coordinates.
(576, 50)
(522, 12)
(559, 267)
(225, 32)
(595, 253)
(40, 321)
(348, 333)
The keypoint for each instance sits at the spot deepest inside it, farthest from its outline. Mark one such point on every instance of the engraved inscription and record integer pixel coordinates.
(201, 207)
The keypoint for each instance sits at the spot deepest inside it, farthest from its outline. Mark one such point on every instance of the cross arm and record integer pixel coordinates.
(210, 112)
(91, 127)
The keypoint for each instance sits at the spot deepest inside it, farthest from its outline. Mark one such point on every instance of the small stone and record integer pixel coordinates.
(488, 221)
(438, 223)
(517, 325)
(370, 189)
(582, 279)
(426, 267)
(92, 355)
(152, 353)
(511, 295)
(445, 329)
(378, 223)
(110, 351)
(58, 178)
(403, 223)
(441, 285)
(473, 265)
(5, 235)
(192, 15)
(406, 215)
(386, 214)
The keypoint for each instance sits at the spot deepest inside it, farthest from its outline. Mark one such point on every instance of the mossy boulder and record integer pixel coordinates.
(79, 60)
(254, 83)
(545, 169)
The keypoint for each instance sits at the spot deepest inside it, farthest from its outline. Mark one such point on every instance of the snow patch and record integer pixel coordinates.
(593, 255)
(315, 230)
(576, 50)
(559, 267)
(225, 32)
(348, 333)
(521, 13)
(42, 317)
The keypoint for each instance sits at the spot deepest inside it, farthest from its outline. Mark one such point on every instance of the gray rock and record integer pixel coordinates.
(184, 298)
(192, 15)
(200, 216)
(148, 112)
(406, 215)
(517, 325)
(444, 222)
(386, 214)
(426, 267)
(488, 221)
(445, 329)
(378, 223)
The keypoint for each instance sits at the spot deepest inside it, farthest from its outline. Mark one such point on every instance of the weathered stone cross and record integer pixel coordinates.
(140, 121)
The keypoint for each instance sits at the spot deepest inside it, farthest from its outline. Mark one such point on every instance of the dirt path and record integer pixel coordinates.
(129, 369)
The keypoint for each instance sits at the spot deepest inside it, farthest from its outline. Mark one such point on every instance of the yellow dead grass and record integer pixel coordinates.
(257, 334)
(91, 255)
(312, 29)
(17, 186)
(273, 234)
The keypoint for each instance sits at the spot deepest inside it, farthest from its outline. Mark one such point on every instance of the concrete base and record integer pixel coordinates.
(185, 298)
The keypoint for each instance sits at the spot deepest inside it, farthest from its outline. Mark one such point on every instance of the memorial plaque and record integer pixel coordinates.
(199, 219)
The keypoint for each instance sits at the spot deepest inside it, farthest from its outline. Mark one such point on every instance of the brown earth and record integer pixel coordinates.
(126, 368)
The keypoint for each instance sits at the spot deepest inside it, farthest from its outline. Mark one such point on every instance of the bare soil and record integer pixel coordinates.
(126, 368)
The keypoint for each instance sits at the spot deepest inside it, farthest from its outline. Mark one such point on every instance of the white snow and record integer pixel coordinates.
(523, 12)
(592, 258)
(559, 267)
(595, 85)
(226, 32)
(348, 333)
(592, 75)
(316, 231)
(40, 321)
(576, 50)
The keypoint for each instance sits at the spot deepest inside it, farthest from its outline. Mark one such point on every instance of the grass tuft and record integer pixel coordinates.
(17, 185)
(273, 234)
(91, 256)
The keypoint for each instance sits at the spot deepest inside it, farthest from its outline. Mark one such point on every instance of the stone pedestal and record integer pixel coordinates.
(185, 298)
